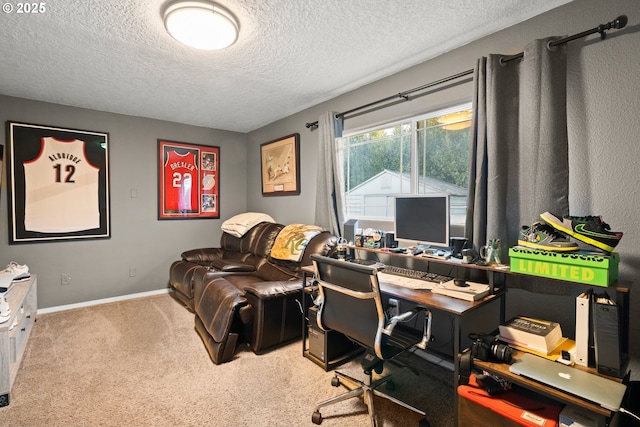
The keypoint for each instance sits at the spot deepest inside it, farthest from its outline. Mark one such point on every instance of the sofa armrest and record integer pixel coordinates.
(273, 290)
(203, 256)
(235, 268)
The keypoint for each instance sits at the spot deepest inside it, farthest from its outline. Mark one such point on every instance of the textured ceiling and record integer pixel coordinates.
(291, 54)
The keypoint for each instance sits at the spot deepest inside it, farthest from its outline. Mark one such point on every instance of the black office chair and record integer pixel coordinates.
(351, 303)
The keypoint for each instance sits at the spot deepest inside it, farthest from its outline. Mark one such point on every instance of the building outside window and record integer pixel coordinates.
(427, 154)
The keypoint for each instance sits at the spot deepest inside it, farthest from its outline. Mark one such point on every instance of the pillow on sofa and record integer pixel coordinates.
(292, 240)
(238, 225)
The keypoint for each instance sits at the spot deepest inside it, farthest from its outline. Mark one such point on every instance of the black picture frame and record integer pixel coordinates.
(58, 184)
(280, 166)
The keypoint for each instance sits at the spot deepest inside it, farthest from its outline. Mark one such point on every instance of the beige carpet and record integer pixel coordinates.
(140, 363)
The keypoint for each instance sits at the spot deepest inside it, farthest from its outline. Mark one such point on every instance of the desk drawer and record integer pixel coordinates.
(18, 336)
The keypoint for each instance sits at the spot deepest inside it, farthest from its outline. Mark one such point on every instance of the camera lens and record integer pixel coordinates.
(502, 352)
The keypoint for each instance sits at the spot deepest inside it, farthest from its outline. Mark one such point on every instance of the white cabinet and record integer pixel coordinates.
(14, 333)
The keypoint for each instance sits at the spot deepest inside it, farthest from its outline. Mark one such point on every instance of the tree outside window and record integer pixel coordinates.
(421, 155)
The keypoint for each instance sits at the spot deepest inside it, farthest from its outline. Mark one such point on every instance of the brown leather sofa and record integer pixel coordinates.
(241, 294)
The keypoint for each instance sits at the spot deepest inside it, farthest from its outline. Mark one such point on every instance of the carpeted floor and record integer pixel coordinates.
(140, 362)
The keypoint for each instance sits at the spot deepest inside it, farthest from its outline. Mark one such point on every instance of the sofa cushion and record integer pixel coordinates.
(181, 274)
(263, 237)
(322, 244)
(216, 306)
(257, 241)
(292, 241)
(238, 225)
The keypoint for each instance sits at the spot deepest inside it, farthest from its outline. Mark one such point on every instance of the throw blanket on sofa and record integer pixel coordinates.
(291, 241)
(238, 225)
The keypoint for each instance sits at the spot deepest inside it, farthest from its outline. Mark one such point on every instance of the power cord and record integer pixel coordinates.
(631, 414)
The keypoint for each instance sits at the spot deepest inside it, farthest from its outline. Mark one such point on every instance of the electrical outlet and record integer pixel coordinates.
(132, 272)
(65, 279)
(394, 307)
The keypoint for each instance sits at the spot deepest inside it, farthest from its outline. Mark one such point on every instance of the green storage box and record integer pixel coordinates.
(582, 266)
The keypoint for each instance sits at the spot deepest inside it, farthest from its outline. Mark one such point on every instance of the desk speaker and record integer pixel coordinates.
(390, 240)
(350, 230)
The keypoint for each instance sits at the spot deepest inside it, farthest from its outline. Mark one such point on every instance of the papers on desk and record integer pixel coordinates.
(473, 292)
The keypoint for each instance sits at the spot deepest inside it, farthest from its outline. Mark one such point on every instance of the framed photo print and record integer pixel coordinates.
(58, 184)
(188, 180)
(280, 164)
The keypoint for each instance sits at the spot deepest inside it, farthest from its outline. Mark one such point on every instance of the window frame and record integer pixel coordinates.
(414, 173)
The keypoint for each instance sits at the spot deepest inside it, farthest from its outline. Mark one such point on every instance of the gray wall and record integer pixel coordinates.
(100, 268)
(604, 125)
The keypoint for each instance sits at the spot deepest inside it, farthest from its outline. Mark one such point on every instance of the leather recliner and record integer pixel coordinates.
(239, 293)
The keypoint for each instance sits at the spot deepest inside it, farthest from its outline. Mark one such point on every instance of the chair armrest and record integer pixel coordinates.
(426, 330)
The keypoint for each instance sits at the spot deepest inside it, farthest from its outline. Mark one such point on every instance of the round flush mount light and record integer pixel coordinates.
(201, 24)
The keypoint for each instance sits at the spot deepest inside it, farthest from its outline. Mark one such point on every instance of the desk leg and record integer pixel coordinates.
(303, 295)
(456, 365)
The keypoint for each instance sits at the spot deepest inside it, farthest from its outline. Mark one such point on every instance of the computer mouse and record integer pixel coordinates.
(460, 282)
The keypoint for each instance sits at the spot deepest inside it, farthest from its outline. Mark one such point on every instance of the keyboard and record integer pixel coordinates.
(413, 279)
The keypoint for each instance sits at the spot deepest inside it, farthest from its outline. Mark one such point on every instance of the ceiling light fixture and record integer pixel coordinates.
(456, 121)
(201, 24)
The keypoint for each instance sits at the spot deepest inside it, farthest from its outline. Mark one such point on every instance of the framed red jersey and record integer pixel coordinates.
(189, 180)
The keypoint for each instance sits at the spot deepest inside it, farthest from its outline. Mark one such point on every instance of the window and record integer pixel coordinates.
(426, 154)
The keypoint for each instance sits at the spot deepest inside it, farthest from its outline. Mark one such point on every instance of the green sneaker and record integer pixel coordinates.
(543, 236)
(589, 229)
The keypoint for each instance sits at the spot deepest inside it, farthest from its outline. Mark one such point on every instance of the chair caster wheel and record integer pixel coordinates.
(316, 418)
(390, 385)
(335, 381)
(424, 423)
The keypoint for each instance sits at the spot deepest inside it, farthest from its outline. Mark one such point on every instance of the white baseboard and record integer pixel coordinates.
(101, 301)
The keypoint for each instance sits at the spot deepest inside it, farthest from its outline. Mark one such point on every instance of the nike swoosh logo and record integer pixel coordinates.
(580, 228)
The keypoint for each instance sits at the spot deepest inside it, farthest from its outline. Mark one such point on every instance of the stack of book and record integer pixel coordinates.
(540, 336)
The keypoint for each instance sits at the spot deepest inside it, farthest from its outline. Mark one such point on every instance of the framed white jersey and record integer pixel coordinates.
(58, 184)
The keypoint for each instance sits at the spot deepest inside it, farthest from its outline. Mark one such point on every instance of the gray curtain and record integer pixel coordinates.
(330, 189)
(519, 154)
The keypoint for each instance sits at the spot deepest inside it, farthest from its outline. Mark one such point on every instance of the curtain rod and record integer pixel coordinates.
(619, 22)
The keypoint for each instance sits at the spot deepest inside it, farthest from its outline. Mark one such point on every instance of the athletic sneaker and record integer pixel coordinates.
(5, 280)
(16, 271)
(589, 229)
(543, 236)
(5, 310)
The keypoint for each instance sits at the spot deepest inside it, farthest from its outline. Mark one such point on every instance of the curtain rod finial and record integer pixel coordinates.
(620, 21)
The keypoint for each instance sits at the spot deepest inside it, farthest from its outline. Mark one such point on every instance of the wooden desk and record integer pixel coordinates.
(493, 274)
(421, 297)
(459, 308)
(500, 279)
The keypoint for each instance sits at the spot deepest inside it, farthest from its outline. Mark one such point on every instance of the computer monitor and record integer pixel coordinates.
(423, 219)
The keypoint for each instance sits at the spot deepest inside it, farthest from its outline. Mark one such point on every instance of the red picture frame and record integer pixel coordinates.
(188, 180)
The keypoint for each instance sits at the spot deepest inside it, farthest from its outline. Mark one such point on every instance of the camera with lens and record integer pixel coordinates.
(487, 348)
